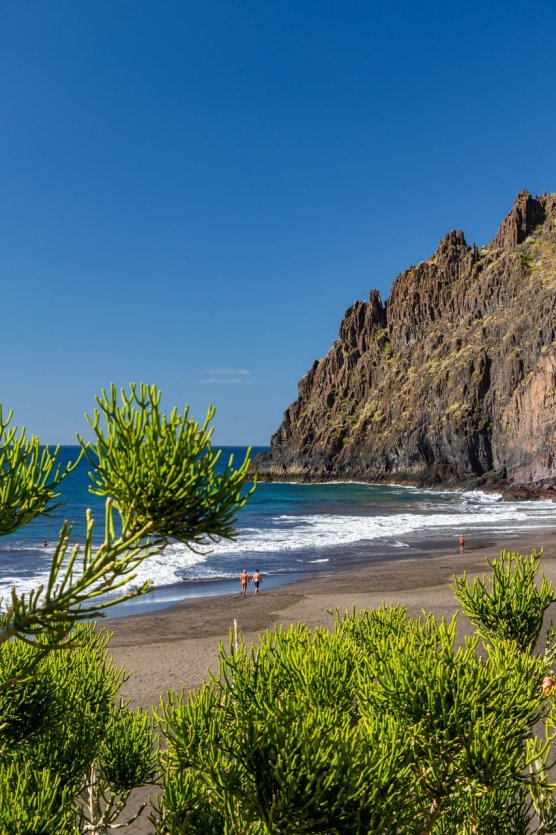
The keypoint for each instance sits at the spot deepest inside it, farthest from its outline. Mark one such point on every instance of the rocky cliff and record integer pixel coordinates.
(452, 380)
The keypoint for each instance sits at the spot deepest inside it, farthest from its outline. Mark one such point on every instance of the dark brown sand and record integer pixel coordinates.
(175, 648)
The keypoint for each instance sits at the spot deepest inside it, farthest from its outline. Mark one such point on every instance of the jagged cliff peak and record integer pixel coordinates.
(452, 379)
(526, 214)
(453, 244)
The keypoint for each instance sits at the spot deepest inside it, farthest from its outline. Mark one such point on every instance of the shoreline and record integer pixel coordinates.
(167, 596)
(176, 647)
(163, 598)
(489, 482)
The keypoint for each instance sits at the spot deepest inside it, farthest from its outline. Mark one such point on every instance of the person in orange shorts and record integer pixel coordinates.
(244, 579)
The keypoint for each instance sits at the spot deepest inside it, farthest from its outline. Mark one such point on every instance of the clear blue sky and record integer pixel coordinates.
(192, 193)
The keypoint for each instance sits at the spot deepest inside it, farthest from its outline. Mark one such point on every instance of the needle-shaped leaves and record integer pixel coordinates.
(161, 469)
(160, 478)
(385, 724)
(29, 477)
(510, 603)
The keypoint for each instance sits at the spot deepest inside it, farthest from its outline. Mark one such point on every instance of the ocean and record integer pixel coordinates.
(289, 531)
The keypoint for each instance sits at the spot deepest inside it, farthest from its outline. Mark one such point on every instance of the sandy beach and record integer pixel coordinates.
(176, 647)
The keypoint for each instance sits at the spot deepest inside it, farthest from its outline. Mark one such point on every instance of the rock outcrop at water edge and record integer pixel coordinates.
(452, 380)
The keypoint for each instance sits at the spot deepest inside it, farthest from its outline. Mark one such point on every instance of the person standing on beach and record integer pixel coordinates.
(257, 581)
(461, 543)
(244, 578)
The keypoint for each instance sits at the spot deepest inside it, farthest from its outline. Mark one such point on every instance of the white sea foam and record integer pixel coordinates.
(163, 569)
(481, 496)
(284, 539)
(291, 533)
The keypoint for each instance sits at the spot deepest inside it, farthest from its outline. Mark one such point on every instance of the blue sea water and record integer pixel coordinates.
(289, 531)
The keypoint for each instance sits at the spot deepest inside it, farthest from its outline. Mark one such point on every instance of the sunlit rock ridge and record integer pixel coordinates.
(451, 381)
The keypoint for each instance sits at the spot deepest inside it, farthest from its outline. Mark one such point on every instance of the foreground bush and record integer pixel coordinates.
(382, 725)
(69, 753)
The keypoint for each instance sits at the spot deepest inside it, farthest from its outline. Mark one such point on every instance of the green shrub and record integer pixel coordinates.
(384, 724)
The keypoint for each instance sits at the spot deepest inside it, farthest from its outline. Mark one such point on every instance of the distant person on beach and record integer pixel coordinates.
(244, 580)
(257, 581)
(461, 541)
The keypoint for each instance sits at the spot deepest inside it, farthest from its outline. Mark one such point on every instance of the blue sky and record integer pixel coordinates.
(193, 193)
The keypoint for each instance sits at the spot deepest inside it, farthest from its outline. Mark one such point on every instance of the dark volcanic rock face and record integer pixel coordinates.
(452, 380)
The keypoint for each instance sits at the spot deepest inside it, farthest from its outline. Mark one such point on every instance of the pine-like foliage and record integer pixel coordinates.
(70, 751)
(384, 724)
